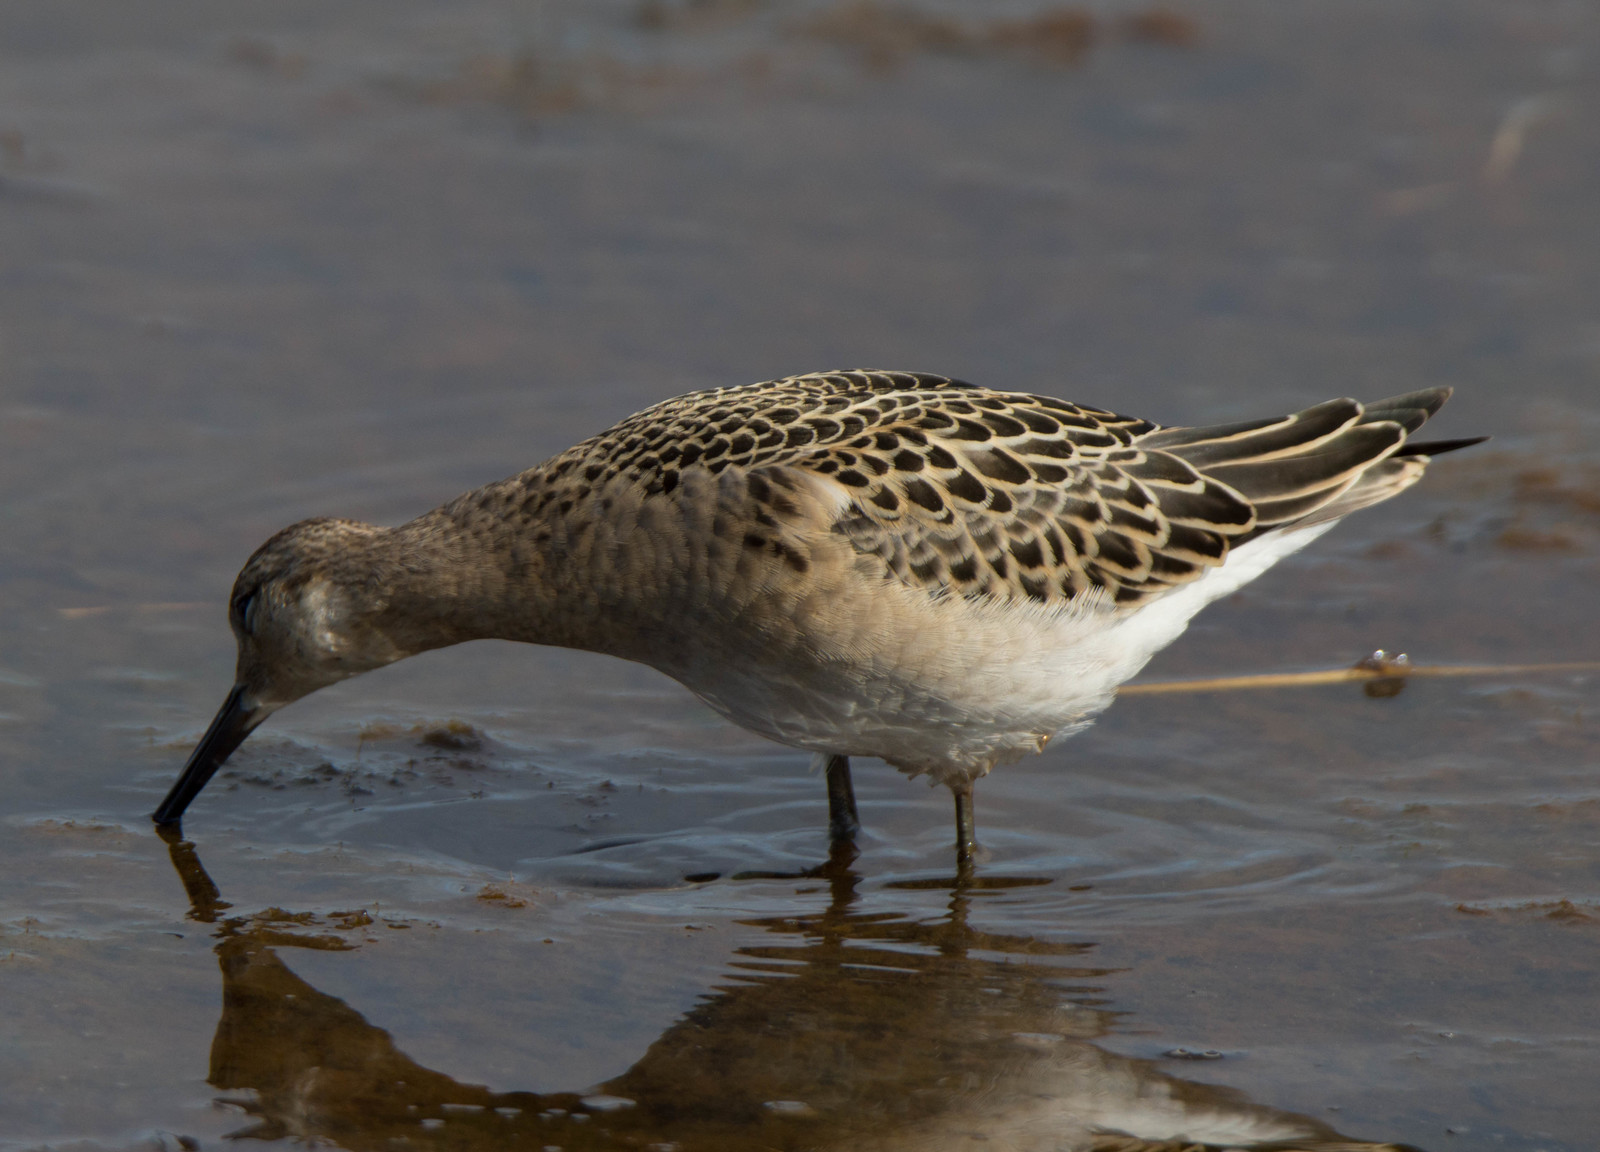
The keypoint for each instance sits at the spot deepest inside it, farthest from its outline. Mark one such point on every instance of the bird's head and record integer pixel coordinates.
(306, 611)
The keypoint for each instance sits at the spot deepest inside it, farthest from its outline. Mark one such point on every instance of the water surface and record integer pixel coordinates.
(264, 264)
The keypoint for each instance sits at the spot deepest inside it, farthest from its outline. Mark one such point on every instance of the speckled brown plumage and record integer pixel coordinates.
(963, 490)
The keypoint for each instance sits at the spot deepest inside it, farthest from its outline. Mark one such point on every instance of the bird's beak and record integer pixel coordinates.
(236, 720)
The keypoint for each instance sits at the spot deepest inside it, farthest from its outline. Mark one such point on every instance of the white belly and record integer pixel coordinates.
(952, 687)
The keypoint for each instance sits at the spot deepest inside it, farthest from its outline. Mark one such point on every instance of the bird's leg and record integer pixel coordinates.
(966, 836)
(843, 822)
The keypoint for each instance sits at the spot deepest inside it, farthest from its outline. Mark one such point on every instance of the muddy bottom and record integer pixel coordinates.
(268, 265)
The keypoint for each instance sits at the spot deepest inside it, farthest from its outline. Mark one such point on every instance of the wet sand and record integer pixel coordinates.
(263, 266)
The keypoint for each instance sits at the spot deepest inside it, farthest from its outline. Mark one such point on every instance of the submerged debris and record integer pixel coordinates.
(527, 83)
(454, 736)
(1562, 911)
(541, 78)
(887, 34)
(497, 894)
(1192, 1054)
(1393, 669)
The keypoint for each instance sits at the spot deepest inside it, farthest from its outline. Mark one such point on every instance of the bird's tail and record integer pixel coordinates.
(1319, 464)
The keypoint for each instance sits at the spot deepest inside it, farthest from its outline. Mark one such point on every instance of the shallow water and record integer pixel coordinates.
(267, 265)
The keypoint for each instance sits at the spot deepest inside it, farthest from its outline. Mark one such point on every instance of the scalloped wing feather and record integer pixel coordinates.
(965, 491)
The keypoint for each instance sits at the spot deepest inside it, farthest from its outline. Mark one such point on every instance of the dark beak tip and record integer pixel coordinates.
(233, 722)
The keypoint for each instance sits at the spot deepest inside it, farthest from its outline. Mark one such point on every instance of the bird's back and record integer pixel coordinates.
(911, 567)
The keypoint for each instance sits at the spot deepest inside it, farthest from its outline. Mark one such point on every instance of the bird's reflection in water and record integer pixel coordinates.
(867, 1031)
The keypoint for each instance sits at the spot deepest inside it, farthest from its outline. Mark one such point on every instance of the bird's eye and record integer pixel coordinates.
(242, 610)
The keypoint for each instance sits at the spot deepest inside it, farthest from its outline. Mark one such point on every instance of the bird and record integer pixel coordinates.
(854, 563)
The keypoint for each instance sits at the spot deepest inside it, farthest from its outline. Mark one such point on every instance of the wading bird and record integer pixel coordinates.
(856, 563)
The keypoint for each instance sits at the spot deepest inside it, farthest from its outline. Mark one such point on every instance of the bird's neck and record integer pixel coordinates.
(500, 562)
